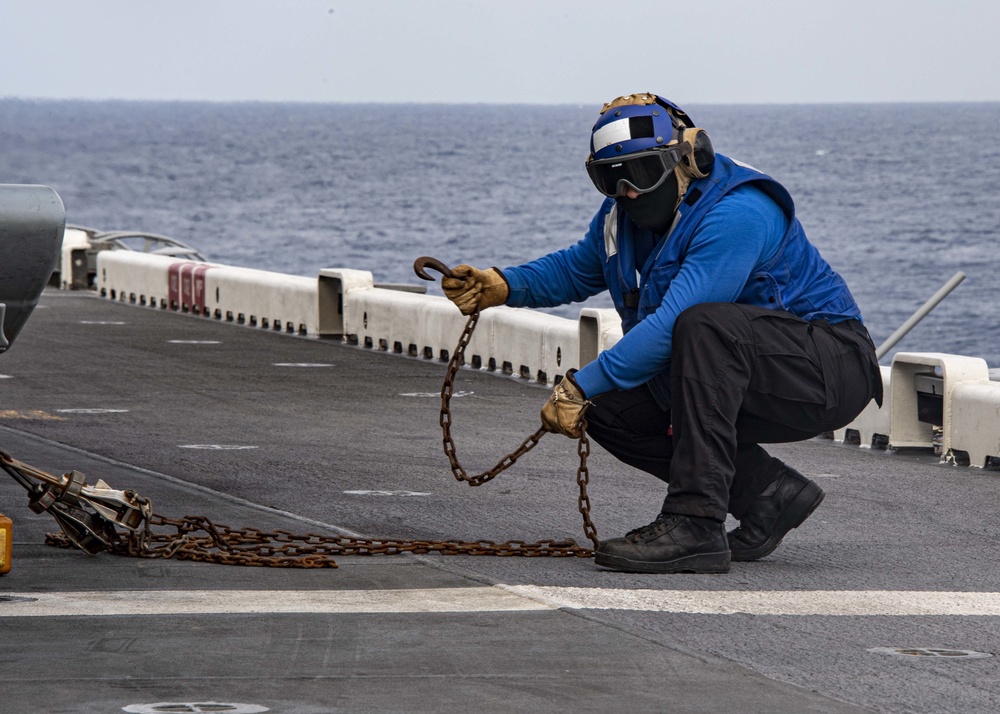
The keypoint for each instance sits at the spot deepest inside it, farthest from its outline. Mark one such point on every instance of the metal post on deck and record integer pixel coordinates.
(920, 314)
(4, 344)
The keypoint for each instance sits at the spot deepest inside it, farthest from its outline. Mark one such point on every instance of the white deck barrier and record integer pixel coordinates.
(347, 304)
(871, 427)
(941, 402)
(254, 297)
(974, 432)
(134, 277)
(958, 389)
(529, 344)
(288, 303)
(73, 260)
(932, 401)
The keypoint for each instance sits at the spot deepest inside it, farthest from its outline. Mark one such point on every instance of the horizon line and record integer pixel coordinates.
(832, 102)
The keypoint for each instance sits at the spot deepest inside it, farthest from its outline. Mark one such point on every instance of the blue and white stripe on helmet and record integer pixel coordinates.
(630, 128)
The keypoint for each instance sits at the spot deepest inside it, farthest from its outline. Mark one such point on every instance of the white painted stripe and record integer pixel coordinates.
(769, 602)
(454, 395)
(504, 598)
(366, 492)
(182, 602)
(302, 364)
(217, 447)
(195, 707)
(92, 411)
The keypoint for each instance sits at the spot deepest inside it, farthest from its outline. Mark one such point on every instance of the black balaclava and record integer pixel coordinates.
(654, 210)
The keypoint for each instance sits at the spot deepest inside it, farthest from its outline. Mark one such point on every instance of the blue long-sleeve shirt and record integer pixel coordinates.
(737, 243)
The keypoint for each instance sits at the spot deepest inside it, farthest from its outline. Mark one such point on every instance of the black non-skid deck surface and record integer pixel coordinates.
(314, 436)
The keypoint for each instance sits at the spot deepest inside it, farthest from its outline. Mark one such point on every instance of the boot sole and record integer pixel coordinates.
(708, 563)
(802, 506)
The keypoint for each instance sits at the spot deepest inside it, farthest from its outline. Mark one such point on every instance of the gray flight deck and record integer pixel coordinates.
(348, 441)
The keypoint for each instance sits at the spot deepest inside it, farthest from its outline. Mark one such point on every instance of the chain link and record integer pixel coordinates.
(583, 447)
(198, 538)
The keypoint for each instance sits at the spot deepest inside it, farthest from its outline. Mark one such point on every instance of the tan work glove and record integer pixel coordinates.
(563, 412)
(475, 289)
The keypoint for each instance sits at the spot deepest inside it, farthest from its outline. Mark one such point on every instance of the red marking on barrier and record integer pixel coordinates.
(174, 285)
(186, 286)
(198, 289)
(187, 291)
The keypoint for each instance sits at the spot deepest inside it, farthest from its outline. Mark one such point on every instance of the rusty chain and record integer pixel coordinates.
(199, 539)
(583, 448)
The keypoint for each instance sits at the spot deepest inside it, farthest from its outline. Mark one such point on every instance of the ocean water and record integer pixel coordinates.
(898, 197)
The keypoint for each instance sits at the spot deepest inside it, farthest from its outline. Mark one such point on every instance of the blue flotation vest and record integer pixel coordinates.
(797, 279)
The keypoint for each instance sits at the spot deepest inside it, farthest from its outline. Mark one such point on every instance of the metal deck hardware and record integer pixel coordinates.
(6, 543)
(88, 515)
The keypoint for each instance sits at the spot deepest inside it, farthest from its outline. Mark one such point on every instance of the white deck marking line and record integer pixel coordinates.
(769, 602)
(364, 492)
(302, 364)
(92, 411)
(504, 598)
(192, 602)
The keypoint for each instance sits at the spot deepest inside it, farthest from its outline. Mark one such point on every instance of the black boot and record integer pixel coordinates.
(782, 506)
(671, 544)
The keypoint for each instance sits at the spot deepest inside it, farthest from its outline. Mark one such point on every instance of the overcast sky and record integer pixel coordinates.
(502, 51)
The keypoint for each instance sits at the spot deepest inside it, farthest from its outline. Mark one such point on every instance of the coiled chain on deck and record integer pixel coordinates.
(198, 538)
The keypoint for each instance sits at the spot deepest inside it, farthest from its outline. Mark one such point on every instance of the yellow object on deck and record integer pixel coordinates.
(6, 543)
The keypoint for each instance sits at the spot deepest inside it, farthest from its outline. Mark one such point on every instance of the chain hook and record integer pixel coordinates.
(426, 261)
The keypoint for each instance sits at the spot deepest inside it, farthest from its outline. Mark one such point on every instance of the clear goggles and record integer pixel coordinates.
(644, 171)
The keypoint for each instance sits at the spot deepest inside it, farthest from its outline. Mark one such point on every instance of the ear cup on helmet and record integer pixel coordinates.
(680, 116)
(702, 158)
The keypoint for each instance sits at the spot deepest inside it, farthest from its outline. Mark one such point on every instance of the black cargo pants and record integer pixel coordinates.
(739, 376)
